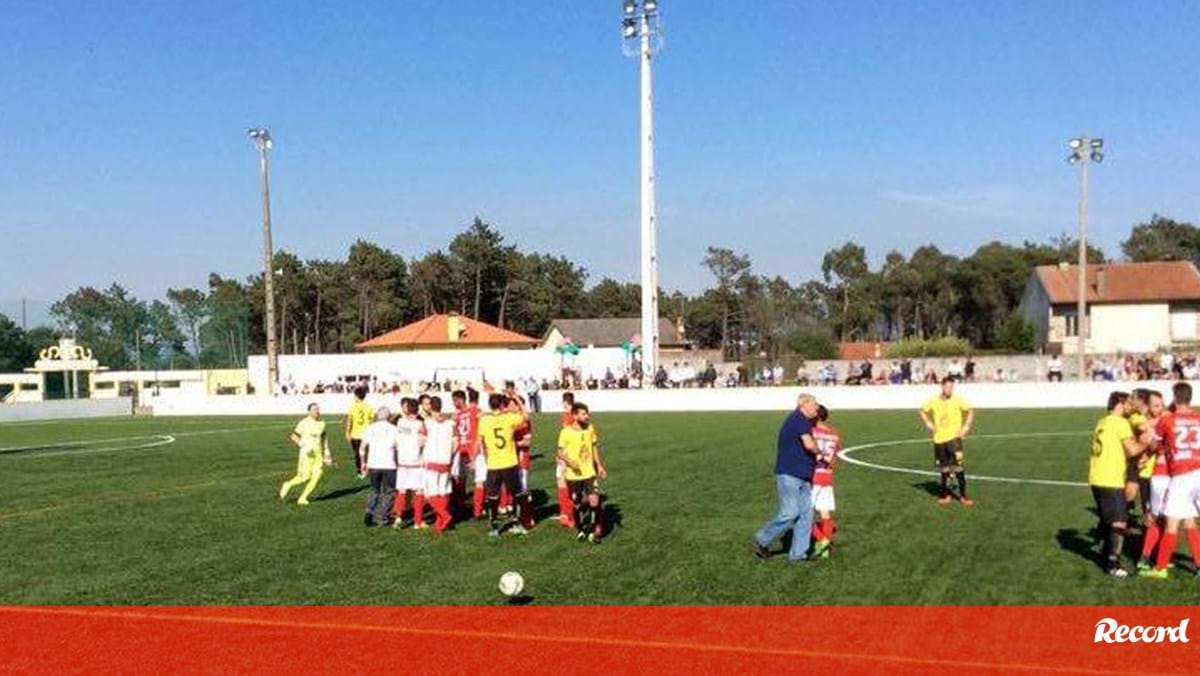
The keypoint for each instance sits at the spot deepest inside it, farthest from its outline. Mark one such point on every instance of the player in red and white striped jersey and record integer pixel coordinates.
(829, 444)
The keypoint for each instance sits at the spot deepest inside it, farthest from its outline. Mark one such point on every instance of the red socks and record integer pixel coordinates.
(399, 505)
(1166, 549)
(1150, 539)
(566, 508)
(505, 497)
(824, 529)
(1194, 545)
(441, 507)
(478, 501)
(419, 509)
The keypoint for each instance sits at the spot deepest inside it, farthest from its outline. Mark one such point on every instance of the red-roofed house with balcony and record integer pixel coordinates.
(1131, 307)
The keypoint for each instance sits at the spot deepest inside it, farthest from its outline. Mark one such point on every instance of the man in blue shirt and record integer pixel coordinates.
(794, 465)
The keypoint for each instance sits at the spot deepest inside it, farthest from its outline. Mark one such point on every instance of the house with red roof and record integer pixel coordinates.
(1131, 307)
(447, 332)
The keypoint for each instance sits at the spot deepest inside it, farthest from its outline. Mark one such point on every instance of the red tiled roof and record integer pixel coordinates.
(1122, 282)
(861, 350)
(435, 331)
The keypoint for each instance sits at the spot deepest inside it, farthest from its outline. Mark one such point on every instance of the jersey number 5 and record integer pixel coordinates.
(498, 434)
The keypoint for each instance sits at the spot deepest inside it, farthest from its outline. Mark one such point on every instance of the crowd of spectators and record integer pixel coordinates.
(680, 375)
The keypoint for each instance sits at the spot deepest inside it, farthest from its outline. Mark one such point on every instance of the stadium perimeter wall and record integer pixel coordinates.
(66, 408)
(910, 397)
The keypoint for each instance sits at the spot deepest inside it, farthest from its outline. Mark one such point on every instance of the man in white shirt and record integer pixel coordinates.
(1054, 369)
(377, 453)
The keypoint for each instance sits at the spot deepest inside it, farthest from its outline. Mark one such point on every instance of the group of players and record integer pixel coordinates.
(421, 455)
(1148, 454)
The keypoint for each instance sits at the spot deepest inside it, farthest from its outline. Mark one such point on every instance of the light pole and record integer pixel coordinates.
(641, 32)
(1084, 151)
(262, 141)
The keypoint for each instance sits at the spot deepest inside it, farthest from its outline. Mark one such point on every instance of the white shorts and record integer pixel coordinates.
(410, 479)
(436, 483)
(480, 469)
(1182, 494)
(1158, 494)
(822, 498)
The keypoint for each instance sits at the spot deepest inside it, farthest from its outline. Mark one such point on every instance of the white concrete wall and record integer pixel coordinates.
(910, 397)
(66, 408)
(1129, 328)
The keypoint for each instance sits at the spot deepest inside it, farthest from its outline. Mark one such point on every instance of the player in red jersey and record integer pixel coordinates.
(566, 508)
(829, 444)
(467, 459)
(1180, 433)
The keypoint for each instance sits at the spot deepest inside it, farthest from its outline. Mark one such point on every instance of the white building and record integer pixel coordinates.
(1131, 307)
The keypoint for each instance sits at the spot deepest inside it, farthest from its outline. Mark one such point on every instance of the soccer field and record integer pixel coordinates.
(184, 511)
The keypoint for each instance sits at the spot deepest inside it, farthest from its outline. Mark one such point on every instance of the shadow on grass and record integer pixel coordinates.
(343, 492)
(1081, 544)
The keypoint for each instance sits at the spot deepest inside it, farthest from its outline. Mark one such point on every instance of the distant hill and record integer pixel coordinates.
(37, 312)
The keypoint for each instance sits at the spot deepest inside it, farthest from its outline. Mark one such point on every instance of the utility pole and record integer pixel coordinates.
(1084, 151)
(262, 140)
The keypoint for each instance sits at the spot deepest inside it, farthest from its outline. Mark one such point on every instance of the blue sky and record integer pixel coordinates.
(783, 129)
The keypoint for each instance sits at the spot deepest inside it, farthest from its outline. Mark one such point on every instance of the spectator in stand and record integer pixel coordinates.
(864, 372)
(710, 374)
(955, 370)
(660, 377)
(906, 372)
(1054, 369)
(802, 375)
(829, 374)
(969, 370)
(777, 374)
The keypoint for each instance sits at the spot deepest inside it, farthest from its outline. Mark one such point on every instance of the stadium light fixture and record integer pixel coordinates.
(641, 33)
(262, 141)
(1084, 151)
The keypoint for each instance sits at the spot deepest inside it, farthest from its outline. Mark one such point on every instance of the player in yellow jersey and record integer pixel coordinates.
(309, 437)
(1137, 411)
(358, 418)
(496, 433)
(579, 452)
(1113, 443)
(949, 418)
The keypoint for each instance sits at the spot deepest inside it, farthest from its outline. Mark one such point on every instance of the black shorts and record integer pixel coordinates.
(948, 455)
(1110, 503)
(509, 477)
(579, 490)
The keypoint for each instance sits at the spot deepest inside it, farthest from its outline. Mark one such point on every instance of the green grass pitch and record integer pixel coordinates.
(116, 519)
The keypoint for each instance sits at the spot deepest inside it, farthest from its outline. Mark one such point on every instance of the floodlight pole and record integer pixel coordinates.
(262, 139)
(1081, 324)
(647, 35)
(1084, 151)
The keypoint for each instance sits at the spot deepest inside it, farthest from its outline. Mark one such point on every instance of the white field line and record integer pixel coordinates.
(156, 441)
(845, 455)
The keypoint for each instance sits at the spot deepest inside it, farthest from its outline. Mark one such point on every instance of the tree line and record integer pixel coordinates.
(331, 305)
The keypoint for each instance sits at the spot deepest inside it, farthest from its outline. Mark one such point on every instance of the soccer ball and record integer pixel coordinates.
(511, 583)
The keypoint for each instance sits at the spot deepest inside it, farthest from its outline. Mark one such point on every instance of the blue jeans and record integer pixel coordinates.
(795, 512)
